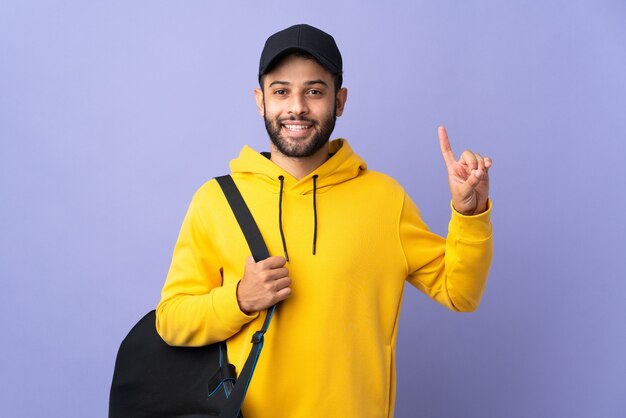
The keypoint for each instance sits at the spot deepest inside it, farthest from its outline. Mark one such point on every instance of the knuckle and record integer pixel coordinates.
(285, 294)
(277, 259)
(280, 285)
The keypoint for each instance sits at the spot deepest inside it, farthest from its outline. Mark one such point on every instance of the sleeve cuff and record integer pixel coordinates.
(227, 308)
(471, 227)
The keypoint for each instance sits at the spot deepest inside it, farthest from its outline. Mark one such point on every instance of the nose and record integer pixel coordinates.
(298, 105)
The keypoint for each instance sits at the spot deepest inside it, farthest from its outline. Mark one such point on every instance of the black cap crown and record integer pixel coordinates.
(305, 38)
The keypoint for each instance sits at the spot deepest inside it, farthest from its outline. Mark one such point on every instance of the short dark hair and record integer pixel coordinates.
(337, 78)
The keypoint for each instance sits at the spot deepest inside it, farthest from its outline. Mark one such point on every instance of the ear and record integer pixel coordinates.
(340, 100)
(258, 96)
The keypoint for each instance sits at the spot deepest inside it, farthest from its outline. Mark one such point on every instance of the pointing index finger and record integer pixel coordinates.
(444, 144)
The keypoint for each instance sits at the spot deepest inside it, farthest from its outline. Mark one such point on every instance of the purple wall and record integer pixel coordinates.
(113, 113)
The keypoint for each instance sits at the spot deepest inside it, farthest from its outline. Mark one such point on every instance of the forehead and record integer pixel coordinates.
(296, 69)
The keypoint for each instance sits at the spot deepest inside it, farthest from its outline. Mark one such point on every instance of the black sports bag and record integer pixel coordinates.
(154, 380)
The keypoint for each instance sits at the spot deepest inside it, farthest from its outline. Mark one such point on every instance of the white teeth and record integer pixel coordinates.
(296, 127)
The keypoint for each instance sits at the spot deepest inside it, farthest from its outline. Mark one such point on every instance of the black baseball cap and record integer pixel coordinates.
(305, 38)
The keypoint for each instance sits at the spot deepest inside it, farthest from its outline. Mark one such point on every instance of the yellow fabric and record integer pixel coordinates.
(330, 349)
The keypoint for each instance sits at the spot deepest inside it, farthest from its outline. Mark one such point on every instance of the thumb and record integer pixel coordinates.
(250, 260)
(474, 178)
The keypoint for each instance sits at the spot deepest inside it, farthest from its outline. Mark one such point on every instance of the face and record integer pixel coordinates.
(299, 105)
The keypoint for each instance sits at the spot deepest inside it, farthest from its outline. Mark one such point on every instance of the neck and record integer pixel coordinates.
(299, 167)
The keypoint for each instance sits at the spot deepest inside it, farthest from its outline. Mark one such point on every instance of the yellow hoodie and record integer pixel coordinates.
(330, 349)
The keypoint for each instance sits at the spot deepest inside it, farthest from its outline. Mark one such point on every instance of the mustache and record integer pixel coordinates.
(298, 119)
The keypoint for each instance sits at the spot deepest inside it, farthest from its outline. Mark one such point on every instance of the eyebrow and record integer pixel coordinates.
(306, 83)
(312, 82)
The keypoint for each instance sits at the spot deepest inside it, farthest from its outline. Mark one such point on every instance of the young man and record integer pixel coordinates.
(344, 240)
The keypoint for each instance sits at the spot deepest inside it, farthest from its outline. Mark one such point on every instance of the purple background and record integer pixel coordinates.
(113, 112)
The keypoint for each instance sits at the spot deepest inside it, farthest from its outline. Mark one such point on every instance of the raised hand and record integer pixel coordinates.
(263, 284)
(468, 177)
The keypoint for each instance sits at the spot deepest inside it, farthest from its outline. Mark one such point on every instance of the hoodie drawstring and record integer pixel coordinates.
(314, 212)
(280, 216)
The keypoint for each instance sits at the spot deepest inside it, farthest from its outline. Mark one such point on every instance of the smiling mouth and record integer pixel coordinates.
(296, 128)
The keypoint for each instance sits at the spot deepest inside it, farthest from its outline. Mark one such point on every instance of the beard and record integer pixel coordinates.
(305, 147)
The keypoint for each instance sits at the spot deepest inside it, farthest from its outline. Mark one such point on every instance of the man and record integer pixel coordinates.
(344, 240)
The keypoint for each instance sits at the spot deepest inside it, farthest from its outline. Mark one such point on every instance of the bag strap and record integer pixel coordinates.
(244, 217)
(259, 252)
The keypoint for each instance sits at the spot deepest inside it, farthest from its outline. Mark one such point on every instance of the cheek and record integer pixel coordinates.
(272, 111)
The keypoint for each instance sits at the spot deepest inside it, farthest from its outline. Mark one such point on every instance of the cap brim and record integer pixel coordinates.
(282, 53)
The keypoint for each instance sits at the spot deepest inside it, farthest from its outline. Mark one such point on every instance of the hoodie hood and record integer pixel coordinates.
(342, 166)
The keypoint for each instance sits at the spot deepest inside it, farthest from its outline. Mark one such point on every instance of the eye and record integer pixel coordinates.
(314, 92)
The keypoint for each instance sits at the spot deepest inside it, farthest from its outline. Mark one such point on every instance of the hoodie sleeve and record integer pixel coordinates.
(452, 271)
(196, 308)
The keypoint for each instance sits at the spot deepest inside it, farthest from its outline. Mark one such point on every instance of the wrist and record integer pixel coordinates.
(241, 304)
(480, 208)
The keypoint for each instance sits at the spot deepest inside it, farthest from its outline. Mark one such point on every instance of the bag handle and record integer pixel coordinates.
(259, 252)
